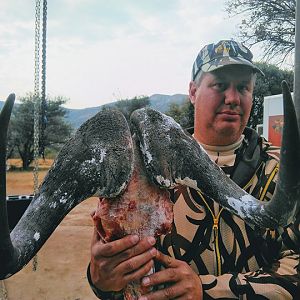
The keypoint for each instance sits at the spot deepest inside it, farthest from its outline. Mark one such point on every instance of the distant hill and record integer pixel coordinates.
(78, 116)
(158, 101)
(163, 102)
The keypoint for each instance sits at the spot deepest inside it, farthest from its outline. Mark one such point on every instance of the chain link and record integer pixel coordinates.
(36, 91)
(43, 87)
(3, 291)
(44, 38)
(36, 104)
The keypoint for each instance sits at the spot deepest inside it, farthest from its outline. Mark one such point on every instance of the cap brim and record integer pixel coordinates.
(217, 64)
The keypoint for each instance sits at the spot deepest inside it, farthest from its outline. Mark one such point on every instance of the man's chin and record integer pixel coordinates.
(230, 133)
(229, 128)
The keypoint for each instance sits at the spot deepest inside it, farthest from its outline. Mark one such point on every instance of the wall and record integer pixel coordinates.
(273, 119)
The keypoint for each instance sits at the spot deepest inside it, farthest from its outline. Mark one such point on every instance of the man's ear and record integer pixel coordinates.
(192, 92)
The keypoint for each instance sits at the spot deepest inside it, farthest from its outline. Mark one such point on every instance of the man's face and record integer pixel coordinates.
(222, 102)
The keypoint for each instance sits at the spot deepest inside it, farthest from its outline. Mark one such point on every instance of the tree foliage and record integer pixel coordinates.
(21, 128)
(127, 106)
(270, 22)
(268, 85)
(182, 114)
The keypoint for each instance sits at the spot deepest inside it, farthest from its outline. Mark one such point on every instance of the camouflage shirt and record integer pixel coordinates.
(235, 260)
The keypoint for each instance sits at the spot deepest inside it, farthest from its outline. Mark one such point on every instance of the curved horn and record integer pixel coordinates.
(6, 248)
(286, 200)
(173, 157)
(96, 161)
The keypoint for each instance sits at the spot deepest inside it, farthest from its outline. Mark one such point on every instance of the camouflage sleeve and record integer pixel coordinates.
(281, 281)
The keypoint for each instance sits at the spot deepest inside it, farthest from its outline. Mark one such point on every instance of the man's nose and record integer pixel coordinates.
(232, 96)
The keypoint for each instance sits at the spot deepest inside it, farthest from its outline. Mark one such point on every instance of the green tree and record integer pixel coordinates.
(268, 85)
(270, 22)
(21, 128)
(182, 114)
(128, 106)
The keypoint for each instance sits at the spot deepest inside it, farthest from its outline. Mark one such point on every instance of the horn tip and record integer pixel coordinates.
(11, 97)
(285, 86)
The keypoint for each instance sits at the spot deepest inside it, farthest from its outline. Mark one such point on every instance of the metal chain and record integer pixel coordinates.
(43, 87)
(36, 91)
(3, 291)
(36, 103)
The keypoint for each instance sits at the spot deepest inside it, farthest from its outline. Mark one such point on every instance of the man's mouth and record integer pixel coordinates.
(230, 112)
(229, 116)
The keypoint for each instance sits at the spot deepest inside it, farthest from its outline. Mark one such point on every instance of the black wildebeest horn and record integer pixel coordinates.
(6, 247)
(98, 160)
(179, 159)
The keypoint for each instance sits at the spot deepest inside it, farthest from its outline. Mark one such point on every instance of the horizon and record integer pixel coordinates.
(100, 52)
(112, 102)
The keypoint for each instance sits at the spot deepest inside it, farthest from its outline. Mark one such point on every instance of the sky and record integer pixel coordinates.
(99, 51)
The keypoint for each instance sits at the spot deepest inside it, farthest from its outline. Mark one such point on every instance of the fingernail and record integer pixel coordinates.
(143, 298)
(146, 281)
(151, 240)
(153, 251)
(135, 238)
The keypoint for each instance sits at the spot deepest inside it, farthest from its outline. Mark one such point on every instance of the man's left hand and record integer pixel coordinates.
(180, 281)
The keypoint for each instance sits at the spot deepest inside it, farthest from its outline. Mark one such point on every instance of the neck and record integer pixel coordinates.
(223, 148)
(217, 141)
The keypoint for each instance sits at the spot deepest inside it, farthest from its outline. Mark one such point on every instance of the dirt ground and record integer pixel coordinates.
(62, 261)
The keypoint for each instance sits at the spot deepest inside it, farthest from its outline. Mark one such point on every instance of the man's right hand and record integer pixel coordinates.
(115, 264)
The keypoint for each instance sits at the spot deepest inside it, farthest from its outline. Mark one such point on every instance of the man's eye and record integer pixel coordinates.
(220, 86)
(243, 87)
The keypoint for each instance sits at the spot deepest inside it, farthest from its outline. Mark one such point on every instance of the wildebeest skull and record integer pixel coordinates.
(99, 159)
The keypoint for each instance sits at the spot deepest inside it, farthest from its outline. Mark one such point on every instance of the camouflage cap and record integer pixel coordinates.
(225, 52)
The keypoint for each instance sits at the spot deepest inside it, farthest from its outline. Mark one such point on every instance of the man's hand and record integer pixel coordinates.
(180, 281)
(115, 264)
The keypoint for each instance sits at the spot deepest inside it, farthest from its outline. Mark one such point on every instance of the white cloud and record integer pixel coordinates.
(101, 50)
(77, 3)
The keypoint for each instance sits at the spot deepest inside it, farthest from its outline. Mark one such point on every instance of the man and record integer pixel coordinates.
(210, 253)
